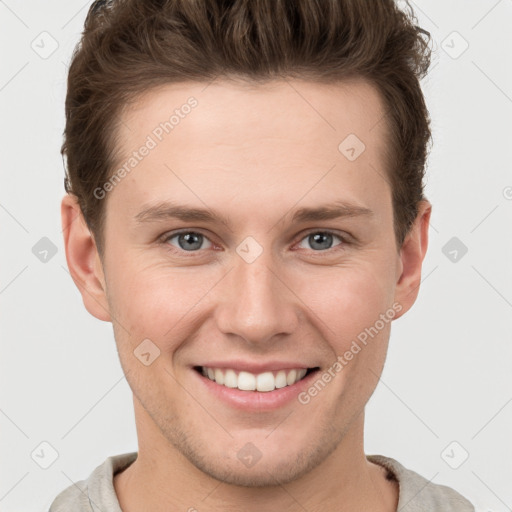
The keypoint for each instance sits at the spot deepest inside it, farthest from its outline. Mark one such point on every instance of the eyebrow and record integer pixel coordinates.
(169, 210)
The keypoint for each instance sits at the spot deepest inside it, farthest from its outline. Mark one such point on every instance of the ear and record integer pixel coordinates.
(412, 253)
(83, 259)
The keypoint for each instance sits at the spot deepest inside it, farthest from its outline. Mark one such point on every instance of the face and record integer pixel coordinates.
(252, 241)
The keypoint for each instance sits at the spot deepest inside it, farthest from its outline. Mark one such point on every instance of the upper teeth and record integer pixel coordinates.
(266, 381)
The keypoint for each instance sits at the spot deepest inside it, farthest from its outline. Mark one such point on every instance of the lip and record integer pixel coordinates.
(255, 400)
(252, 367)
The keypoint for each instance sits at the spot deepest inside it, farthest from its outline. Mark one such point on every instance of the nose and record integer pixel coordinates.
(256, 303)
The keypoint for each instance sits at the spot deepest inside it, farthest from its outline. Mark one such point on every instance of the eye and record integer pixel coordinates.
(189, 241)
(193, 241)
(322, 240)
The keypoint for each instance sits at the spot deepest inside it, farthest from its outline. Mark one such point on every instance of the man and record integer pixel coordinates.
(245, 205)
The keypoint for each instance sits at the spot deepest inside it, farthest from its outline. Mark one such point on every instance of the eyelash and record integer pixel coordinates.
(168, 236)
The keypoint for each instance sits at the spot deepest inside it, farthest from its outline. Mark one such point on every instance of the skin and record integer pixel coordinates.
(241, 148)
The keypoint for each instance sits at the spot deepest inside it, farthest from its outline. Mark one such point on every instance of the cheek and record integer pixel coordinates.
(154, 302)
(354, 293)
(348, 303)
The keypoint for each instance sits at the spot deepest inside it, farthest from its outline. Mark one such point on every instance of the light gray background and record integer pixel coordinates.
(447, 376)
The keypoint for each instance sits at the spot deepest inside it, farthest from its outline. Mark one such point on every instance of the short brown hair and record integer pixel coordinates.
(129, 47)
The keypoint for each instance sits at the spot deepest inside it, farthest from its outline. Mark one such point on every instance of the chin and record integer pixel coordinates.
(274, 465)
(263, 474)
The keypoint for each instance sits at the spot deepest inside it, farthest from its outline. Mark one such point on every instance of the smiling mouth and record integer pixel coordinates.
(262, 382)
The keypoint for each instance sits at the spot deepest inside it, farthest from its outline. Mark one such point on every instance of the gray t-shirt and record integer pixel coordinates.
(417, 494)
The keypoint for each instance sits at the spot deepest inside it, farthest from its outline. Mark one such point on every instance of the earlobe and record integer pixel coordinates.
(412, 253)
(83, 260)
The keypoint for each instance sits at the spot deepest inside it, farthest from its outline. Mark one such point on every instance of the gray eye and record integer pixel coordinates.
(320, 240)
(188, 241)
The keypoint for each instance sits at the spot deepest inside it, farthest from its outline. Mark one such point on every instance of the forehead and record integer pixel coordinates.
(228, 109)
(234, 137)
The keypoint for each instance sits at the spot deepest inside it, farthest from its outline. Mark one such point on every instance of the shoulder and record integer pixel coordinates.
(96, 493)
(417, 494)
